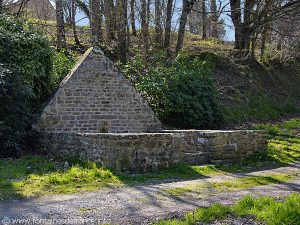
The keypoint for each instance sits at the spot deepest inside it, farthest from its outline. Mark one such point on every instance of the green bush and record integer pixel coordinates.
(25, 51)
(183, 95)
(26, 80)
(62, 64)
(15, 111)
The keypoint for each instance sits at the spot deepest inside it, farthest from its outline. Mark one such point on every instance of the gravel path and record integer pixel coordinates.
(134, 205)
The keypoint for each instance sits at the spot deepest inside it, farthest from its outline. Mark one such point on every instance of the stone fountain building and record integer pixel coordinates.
(96, 114)
(96, 98)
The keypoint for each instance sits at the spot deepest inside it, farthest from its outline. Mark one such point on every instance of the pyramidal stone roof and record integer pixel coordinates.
(96, 98)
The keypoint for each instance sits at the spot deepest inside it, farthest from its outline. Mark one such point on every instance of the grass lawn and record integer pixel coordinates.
(265, 209)
(31, 176)
(232, 184)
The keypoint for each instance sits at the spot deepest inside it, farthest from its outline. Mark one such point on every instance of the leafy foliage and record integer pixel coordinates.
(27, 52)
(62, 64)
(14, 111)
(25, 80)
(184, 94)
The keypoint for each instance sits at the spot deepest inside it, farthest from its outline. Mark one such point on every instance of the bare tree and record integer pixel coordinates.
(132, 17)
(144, 26)
(60, 26)
(109, 14)
(204, 20)
(73, 21)
(195, 19)
(168, 24)
(214, 19)
(187, 5)
(1, 6)
(83, 6)
(122, 29)
(95, 21)
(158, 30)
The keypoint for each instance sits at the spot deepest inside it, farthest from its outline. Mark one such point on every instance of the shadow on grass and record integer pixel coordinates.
(179, 172)
(39, 175)
(33, 176)
(8, 191)
(252, 164)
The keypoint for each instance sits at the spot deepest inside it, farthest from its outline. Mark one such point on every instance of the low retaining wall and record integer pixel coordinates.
(219, 146)
(143, 152)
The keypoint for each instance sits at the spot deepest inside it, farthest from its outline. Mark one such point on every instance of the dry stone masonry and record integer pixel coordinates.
(97, 115)
(142, 152)
(96, 98)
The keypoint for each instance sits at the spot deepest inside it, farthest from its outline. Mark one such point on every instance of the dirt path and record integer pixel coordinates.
(134, 205)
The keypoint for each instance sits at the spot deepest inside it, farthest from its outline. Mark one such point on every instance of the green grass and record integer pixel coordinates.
(265, 209)
(177, 172)
(32, 176)
(232, 184)
(283, 148)
(36, 175)
(290, 127)
(284, 140)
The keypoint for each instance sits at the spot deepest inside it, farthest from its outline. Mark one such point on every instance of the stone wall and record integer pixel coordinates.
(96, 98)
(143, 152)
(220, 146)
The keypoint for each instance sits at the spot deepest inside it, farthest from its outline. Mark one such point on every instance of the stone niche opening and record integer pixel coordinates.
(96, 114)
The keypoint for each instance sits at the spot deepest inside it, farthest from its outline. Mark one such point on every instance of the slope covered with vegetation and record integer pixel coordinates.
(212, 89)
(257, 90)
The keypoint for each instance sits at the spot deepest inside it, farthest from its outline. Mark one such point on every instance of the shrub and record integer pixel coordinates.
(14, 111)
(25, 51)
(62, 64)
(184, 94)
(26, 80)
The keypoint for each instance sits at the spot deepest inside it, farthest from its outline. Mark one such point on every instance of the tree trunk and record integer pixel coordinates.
(158, 30)
(122, 29)
(235, 6)
(246, 31)
(253, 45)
(148, 15)
(73, 21)
(60, 26)
(194, 19)
(144, 27)
(109, 14)
(279, 43)
(214, 19)
(128, 38)
(204, 20)
(95, 21)
(132, 17)
(263, 44)
(168, 24)
(243, 30)
(186, 9)
(1, 6)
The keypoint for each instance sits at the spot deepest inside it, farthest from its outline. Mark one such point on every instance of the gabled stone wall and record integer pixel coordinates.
(96, 98)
